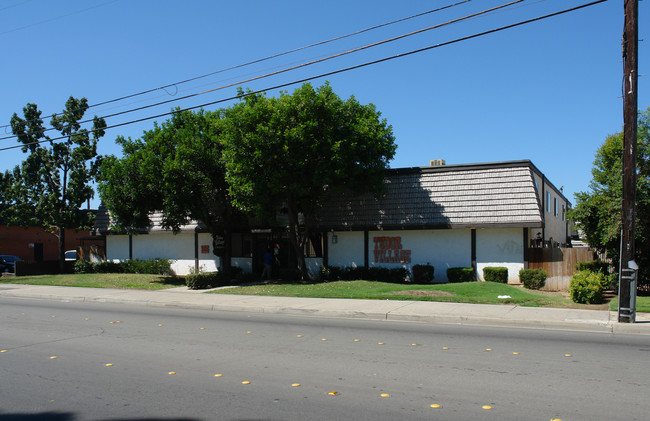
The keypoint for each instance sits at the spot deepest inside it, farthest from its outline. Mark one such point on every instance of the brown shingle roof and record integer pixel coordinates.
(462, 196)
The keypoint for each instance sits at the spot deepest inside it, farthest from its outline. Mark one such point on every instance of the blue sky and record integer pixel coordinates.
(549, 91)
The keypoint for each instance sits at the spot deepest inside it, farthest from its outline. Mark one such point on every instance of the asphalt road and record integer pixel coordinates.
(75, 361)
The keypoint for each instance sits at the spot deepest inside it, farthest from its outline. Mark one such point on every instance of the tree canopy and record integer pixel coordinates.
(50, 186)
(598, 212)
(259, 156)
(176, 169)
(294, 151)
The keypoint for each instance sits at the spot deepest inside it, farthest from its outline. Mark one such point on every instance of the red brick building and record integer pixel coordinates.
(36, 244)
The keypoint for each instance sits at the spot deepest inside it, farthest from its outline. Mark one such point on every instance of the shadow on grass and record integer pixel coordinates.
(172, 281)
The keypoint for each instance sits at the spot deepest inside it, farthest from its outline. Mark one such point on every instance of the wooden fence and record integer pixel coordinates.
(559, 264)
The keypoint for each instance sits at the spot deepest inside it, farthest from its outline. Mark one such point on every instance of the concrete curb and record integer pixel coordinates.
(509, 316)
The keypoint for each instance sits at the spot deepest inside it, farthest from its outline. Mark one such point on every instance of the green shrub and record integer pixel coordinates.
(108, 267)
(155, 266)
(202, 280)
(83, 266)
(593, 266)
(379, 274)
(205, 280)
(393, 275)
(152, 266)
(533, 278)
(612, 281)
(495, 274)
(586, 287)
(423, 274)
(461, 275)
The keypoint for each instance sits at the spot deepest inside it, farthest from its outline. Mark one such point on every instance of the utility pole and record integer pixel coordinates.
(627, 275)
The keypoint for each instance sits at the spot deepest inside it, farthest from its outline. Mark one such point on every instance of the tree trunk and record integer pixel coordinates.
(295, 243)
(226, 259)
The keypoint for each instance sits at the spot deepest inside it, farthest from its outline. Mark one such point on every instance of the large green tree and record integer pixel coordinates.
(598, 212)
(176, 169)
(294, 151)
(50, 186)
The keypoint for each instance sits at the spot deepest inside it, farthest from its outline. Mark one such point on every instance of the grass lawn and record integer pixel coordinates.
(468, 292)
(100, 280)
(642, 304)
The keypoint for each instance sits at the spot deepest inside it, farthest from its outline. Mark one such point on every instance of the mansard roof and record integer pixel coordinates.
(455, 196)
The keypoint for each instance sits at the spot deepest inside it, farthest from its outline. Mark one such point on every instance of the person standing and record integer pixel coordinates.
(268, 264)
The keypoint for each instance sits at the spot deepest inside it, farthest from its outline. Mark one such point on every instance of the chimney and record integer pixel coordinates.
(437, 163)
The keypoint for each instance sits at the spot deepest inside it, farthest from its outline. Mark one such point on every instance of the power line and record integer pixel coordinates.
(164, 87)
(57, 17)
(334, 72)
(354, 50)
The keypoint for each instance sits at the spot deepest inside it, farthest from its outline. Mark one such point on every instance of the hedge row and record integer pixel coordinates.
(461, 275)
(336, 273)
(153, 266)
(533, 278)
(495, 274)
(203, 280)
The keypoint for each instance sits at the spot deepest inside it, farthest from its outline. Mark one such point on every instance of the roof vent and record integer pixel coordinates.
(437, 163)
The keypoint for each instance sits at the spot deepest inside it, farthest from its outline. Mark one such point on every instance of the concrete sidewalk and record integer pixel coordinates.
(506, 315)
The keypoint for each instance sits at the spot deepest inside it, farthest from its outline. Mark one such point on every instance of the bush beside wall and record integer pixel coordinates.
(461, 275)
(423, 274)
(204, 280)
(533, 278)
(593, 266)
(495, 274)
(152, 266)
(336, 273)
(587, 287)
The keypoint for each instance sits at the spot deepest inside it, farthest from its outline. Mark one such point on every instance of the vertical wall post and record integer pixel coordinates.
(525, 248)
(366, 257)
(196, 252)
(473, 251)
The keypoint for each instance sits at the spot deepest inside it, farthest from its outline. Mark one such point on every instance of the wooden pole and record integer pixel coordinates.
(626, 297)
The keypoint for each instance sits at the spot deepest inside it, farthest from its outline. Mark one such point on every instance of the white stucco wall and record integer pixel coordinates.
(348, 250)
(179, 249)
(500, 247)
(442, 249)
(117, 247)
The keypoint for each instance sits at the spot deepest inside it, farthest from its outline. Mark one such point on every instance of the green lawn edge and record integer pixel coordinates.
(466, 292)
(100, 280)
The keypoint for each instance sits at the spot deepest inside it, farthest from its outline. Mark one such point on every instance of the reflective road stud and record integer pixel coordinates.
(486, 407)
(435, 405)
